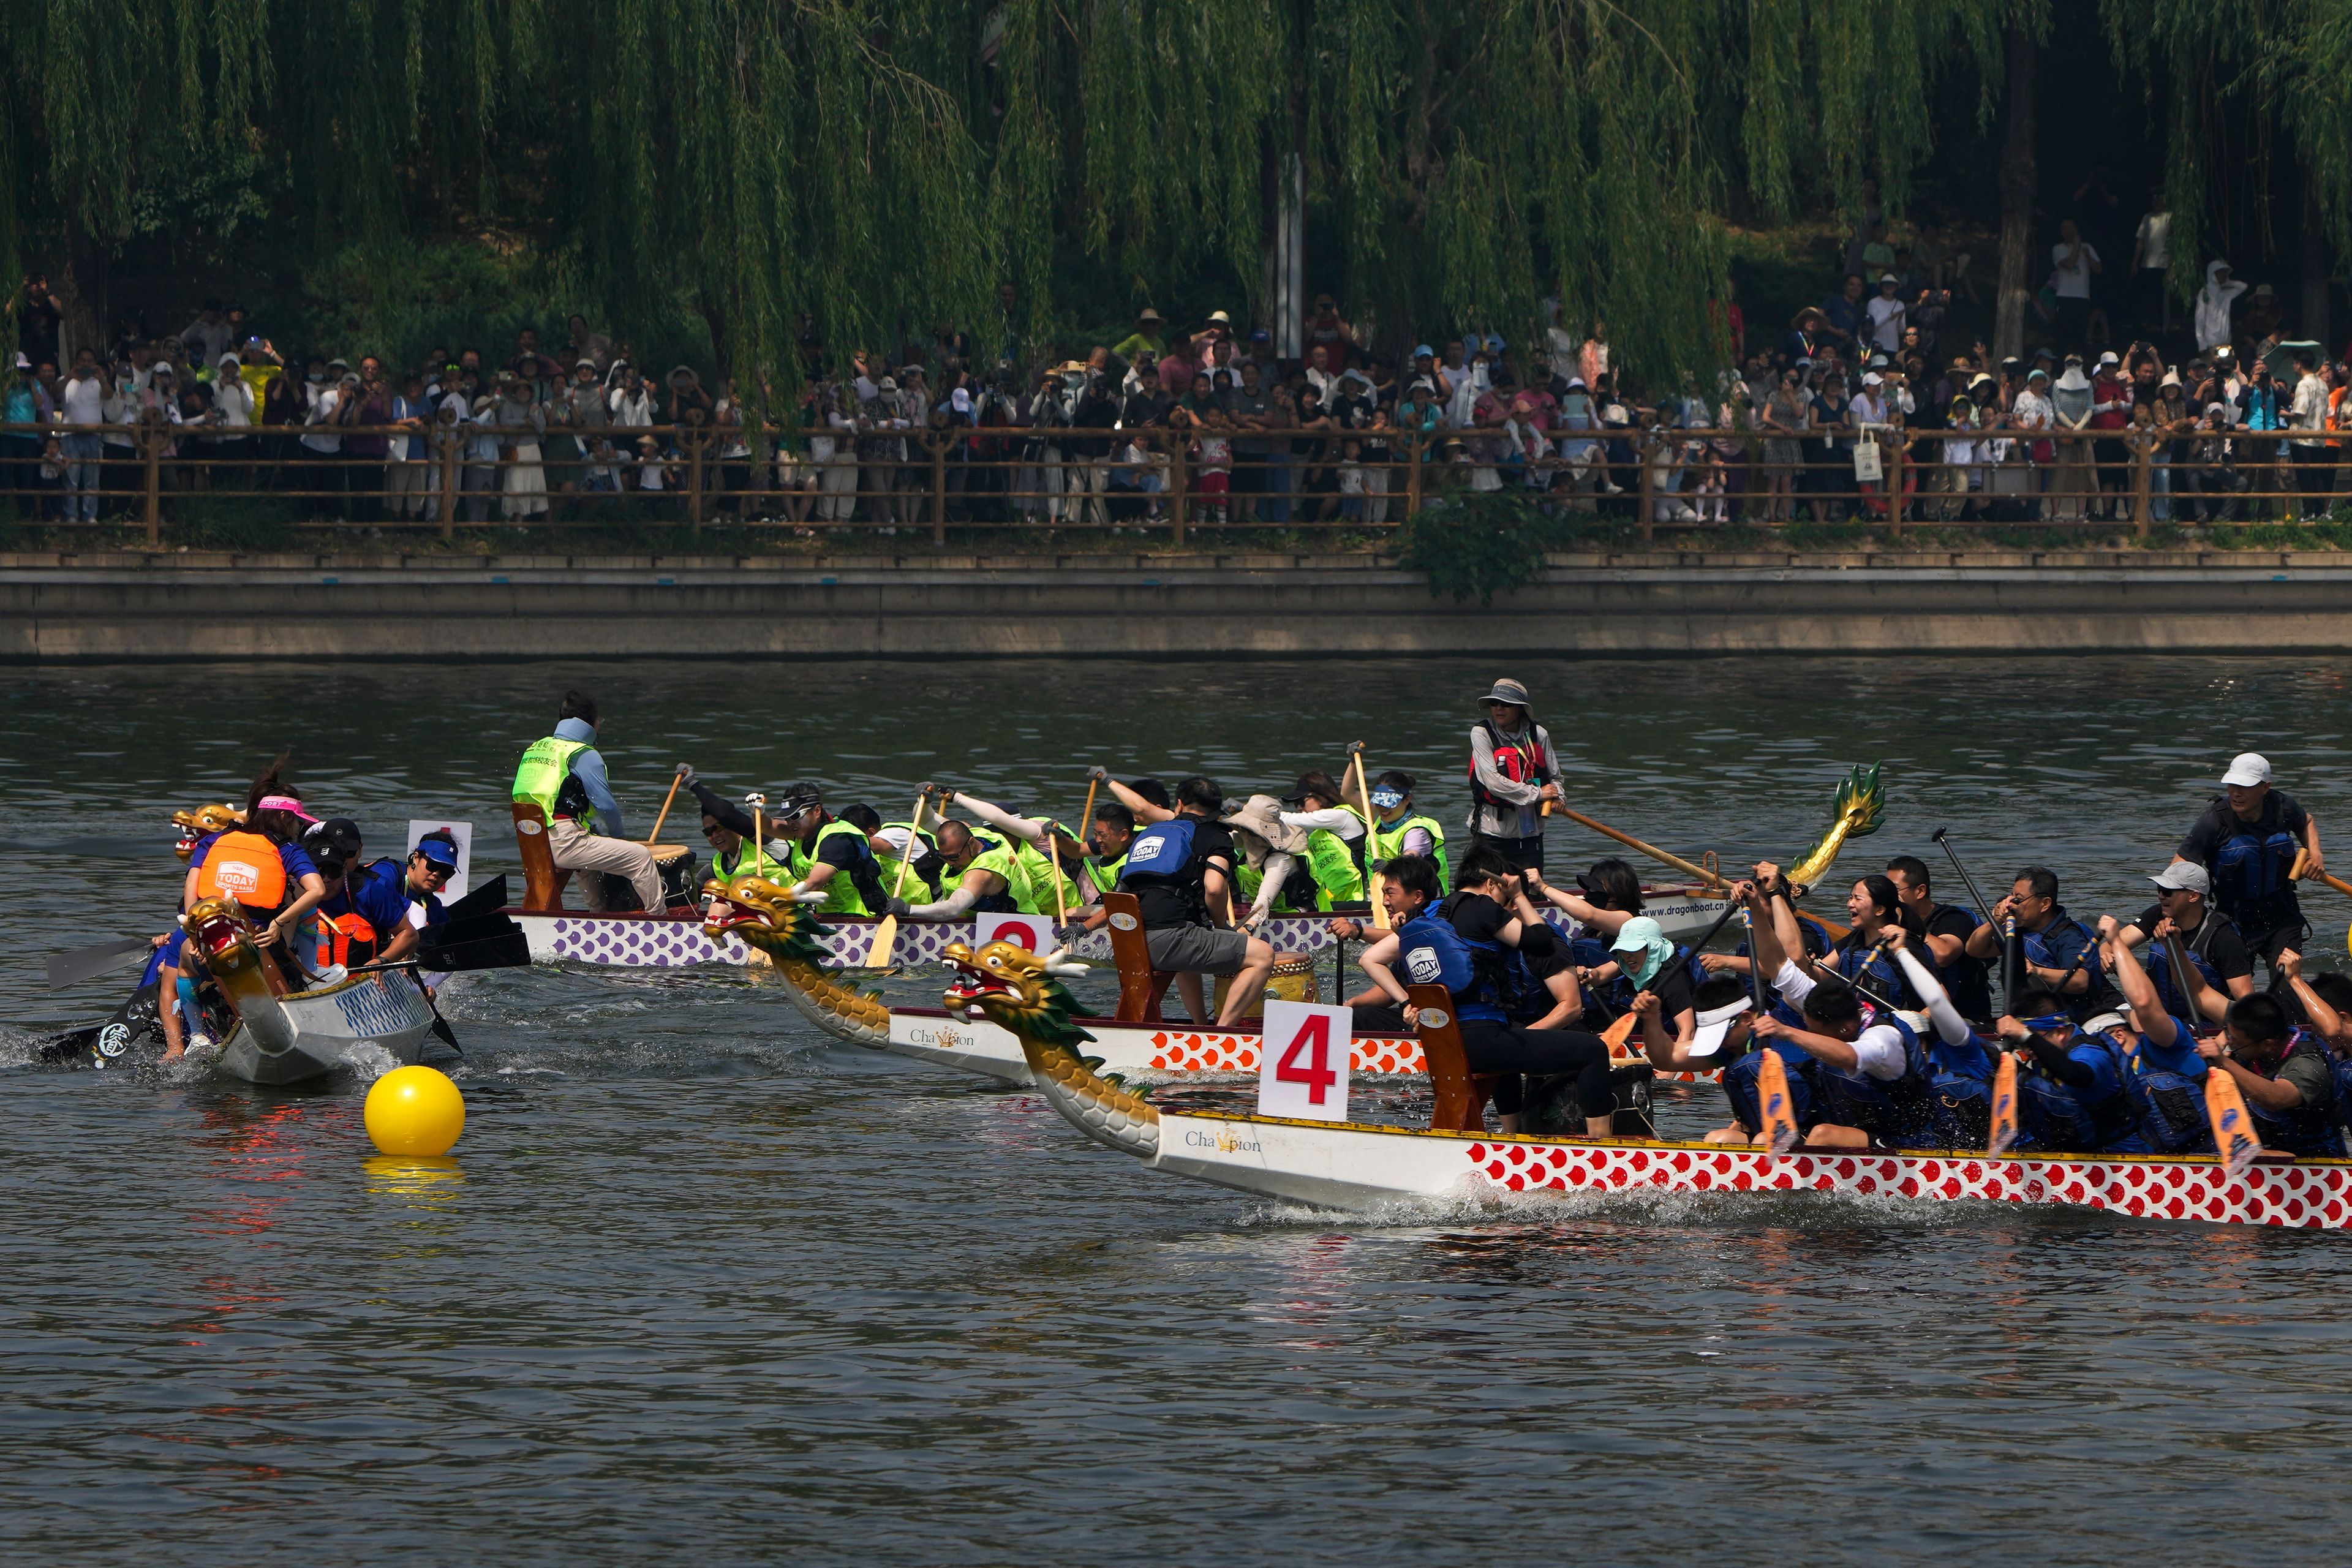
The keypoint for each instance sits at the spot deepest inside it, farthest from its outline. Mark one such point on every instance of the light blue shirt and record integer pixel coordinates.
(589, 769)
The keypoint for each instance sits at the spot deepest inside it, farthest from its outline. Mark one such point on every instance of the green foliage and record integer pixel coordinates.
(239, 522)
(1485, 542)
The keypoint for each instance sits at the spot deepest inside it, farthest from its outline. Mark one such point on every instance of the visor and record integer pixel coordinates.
(286, 802)
(1714, 1024)
(439, 852)
(2048, 1021)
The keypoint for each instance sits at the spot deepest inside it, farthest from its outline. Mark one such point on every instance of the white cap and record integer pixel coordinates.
(2248, 769)
(2184, 877)
(1713, 1025)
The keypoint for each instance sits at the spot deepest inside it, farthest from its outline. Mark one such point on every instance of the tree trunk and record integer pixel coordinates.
(2018, 184)
(2314, 320)
(81, 291)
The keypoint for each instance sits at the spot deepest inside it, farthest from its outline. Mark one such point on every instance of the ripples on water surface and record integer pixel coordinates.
(700, 1283)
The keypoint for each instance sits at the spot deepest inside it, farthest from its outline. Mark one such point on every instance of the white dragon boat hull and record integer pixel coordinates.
(287, 1039)
(635, 941)
(1353, 1166)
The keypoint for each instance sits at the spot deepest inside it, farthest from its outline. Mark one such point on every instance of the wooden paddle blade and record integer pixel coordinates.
(1618, 1032)
(2004, 1108)
(82, 964)
(886, 937)
(2233, 1127)
(1772, 1105)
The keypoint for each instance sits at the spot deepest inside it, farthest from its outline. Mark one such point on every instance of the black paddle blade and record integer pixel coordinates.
(458, 931)
(511, 951)
(489, 897)
(71, 968)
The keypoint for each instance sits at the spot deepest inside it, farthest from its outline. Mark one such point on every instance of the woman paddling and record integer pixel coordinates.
(1461, 944)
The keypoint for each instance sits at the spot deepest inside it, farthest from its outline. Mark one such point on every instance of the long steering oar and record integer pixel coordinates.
(679, 778)
(1373, 879)
(1715, 880)
(83, 962)
(885, 932)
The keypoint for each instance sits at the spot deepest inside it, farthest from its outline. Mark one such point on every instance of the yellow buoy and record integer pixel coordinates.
(414, 1111)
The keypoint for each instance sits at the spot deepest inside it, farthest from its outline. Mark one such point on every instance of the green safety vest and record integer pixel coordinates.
(1040, 866)
(1388, 842)
(545, 765)
(1001, 859)
(919, 843)
(841, 894)
(748, 861)
(1333, 866)
(1106, 873)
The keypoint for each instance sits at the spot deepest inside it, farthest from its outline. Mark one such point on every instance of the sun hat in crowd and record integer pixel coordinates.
(1148, 314)
(1221, 317)
(888, 384)
(1889, 278)
(959, 400)
(2108, 358)
(1261, 815)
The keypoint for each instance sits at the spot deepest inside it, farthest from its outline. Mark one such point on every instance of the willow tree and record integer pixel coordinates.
(865, 167)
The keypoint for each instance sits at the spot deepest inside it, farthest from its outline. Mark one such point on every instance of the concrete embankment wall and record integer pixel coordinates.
(312, 606)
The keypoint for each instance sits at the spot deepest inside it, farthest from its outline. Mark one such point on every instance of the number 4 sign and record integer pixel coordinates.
(1302, 1065)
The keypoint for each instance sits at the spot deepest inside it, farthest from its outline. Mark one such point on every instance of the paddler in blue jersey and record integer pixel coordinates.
(2073, 1090)
(2247, 840)
(2053, 940)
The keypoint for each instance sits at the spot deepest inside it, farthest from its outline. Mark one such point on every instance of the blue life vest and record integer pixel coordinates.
(1896, 1110)
(1963, 1079)
(2309, 1130)
(2250, 874)
(1430, 951)
(1161, 855)
(2059, 1120)
(2159, 966)
(2171, 1109)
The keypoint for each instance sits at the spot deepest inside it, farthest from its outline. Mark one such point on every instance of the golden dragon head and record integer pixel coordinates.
(200, 823)
(768, 915)
(1017, 989)
(218, 930)
(1861, 802)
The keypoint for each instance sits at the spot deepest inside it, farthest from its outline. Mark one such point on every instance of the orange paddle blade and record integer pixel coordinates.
(2233, 1128)
(1772, 1104)
(2004, 1108)
(1617, 1034)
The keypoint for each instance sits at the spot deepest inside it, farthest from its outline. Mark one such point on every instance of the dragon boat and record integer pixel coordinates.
(281, 1038)
(1352, 1165)
(1685, 910)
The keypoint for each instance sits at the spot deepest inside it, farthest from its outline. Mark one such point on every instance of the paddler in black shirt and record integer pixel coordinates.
(2247, 841)
(1967, 978)
(1181, 870)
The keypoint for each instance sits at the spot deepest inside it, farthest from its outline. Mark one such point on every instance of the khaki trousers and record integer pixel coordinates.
(596, 856)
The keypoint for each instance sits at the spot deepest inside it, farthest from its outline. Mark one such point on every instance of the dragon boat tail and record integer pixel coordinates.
(1354, 1165)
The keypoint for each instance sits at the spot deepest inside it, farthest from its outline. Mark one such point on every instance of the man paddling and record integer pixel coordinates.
(829, 856)
(1966, 978)
(1181, 870)
(564, 776)
(2247, 840)
(2058, 954)
(1030, 837)
(1513, 772)
(2208, 940)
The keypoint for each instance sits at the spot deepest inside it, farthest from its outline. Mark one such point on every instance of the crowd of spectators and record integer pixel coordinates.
(2250, 424)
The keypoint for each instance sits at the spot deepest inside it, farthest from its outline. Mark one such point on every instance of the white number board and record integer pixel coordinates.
(1034, 932)
(463, 832)
(1302, 1064)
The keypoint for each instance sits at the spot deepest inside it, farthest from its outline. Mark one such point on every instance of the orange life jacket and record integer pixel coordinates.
(346, 939)
(244, 866)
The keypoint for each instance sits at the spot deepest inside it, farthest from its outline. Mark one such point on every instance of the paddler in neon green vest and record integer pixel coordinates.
(1335, 838)
(1109, 836)
(829, 856)
(1402, 829)
(564, 776)
(728, 828)
(982, 875)
(1024, 840)
(891, 842)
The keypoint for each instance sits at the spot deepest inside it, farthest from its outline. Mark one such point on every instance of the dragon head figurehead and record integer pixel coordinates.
(1017, 989)
(221, 935)
(1022, 991)
(1860, 803)
(767, 915)
(201, 823)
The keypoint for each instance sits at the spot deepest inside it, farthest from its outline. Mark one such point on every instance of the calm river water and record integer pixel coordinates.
(704, 1284)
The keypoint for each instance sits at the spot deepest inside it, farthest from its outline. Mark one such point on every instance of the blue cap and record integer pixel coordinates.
(439, 852)
(1424, 348)
(1494, 343)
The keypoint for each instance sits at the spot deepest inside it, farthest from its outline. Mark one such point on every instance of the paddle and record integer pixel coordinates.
(1941, 840)
(2233, 1129)
(885, 930)
(2004, 1108)
(510, 951)
(1779, 1125)
(1373, 879)
(2299, 872)
(1712, 879)
(83, 962)
(489, 897)
(655, 837)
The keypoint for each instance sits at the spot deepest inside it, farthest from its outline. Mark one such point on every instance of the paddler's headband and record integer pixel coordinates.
(285, 803)
(2049, 1020)
(1388, 799)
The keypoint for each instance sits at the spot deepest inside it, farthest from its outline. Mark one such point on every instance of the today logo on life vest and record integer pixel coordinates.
(1424, 965)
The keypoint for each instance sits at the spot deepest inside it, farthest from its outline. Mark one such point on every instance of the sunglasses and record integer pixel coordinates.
(434, 869)
(712, 830)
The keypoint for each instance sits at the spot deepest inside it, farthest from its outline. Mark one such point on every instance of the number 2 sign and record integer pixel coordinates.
(1034, 932)
(1302, 1065)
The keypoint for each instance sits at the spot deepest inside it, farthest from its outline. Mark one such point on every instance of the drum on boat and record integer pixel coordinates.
(681, 880)
(1293, 980)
